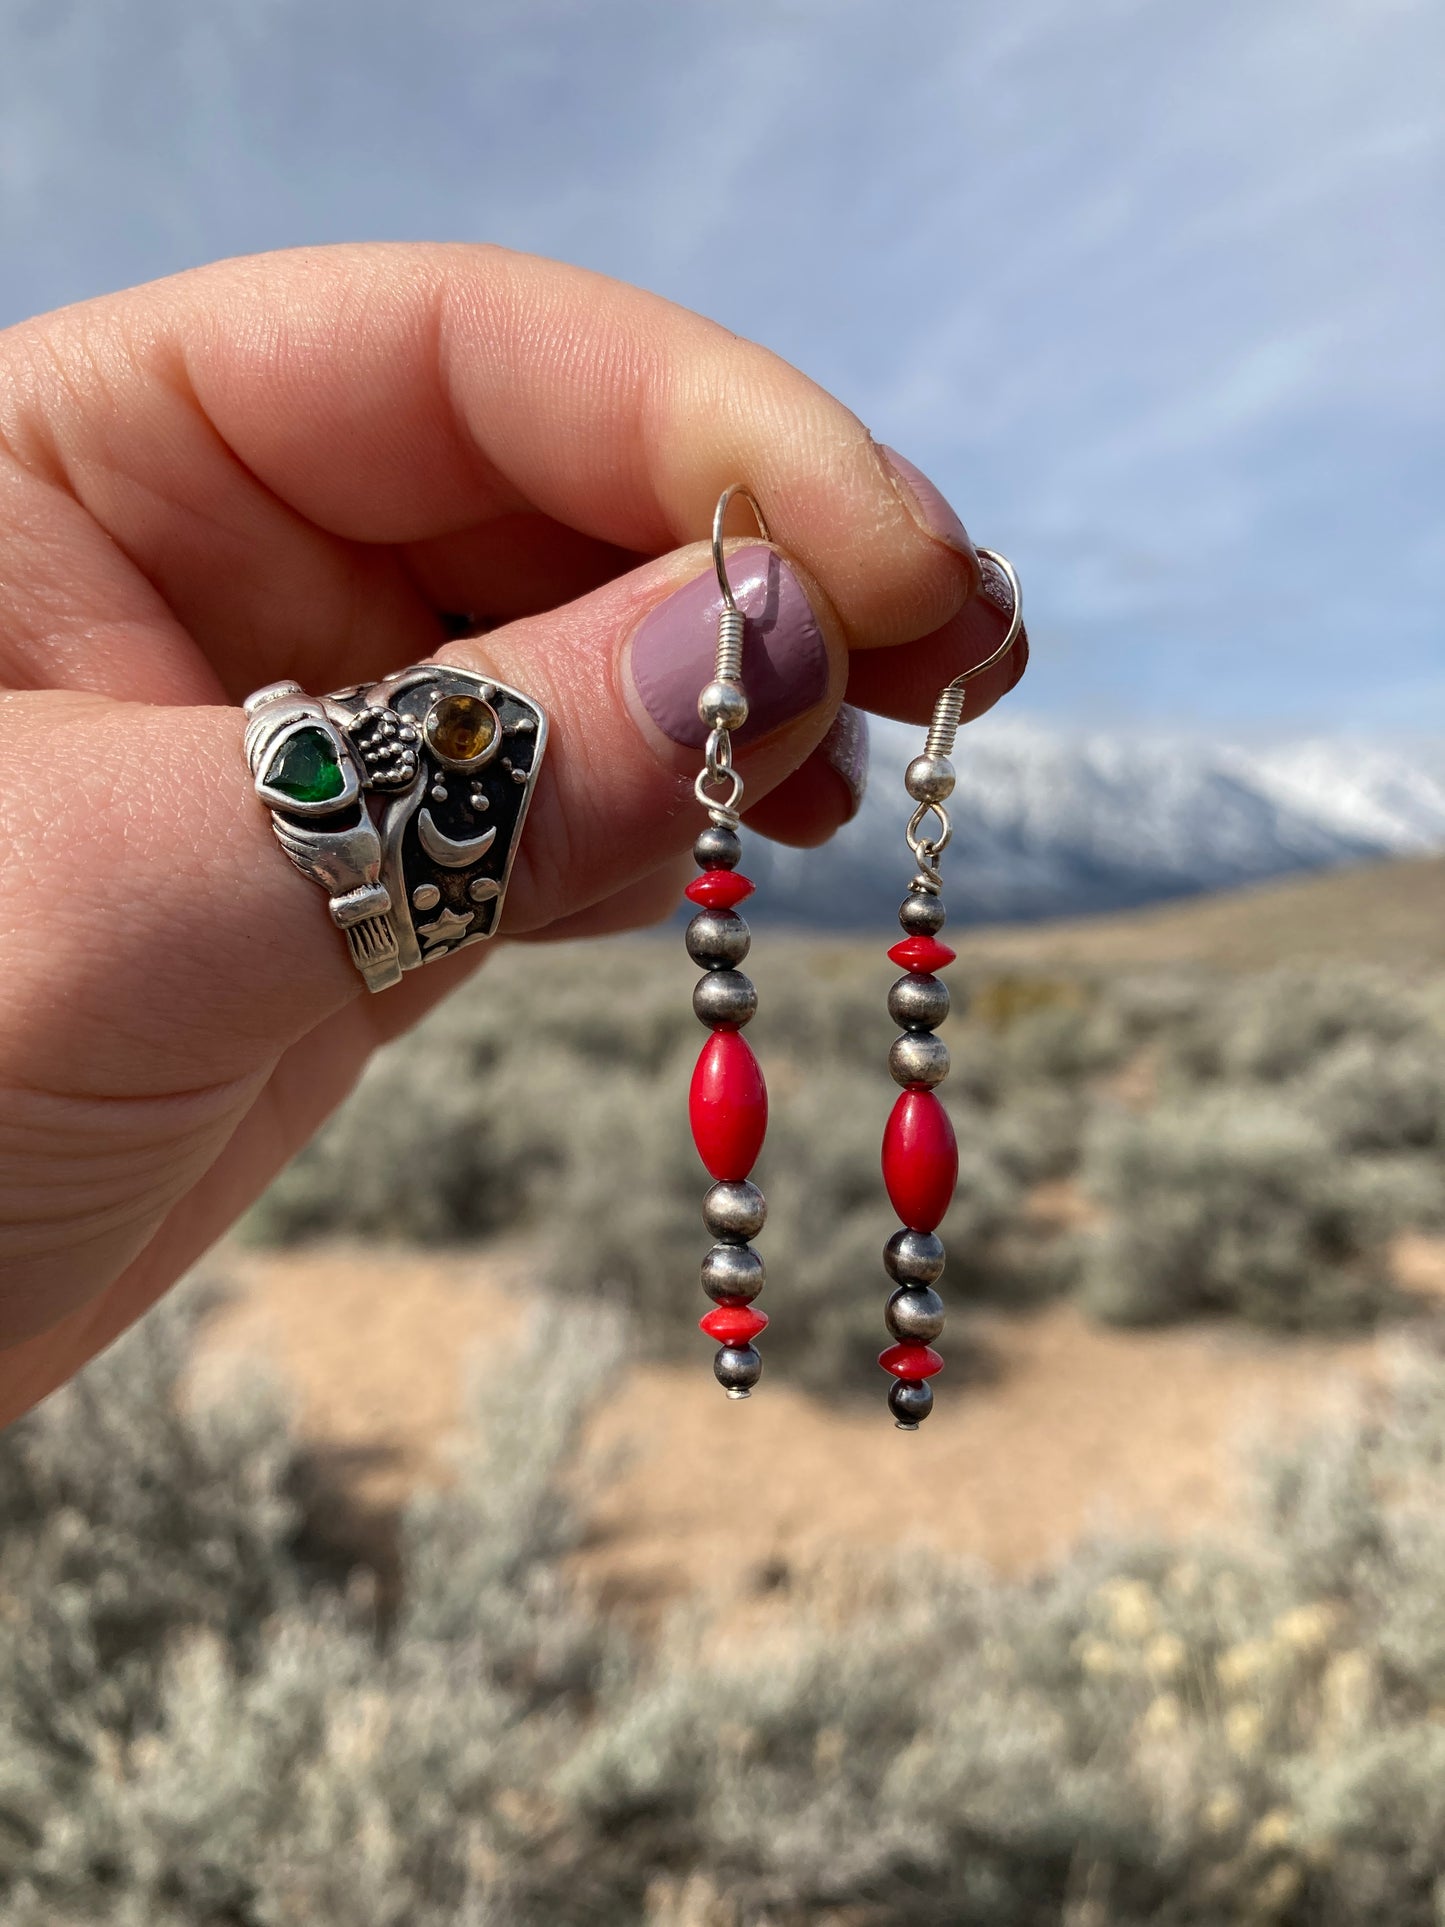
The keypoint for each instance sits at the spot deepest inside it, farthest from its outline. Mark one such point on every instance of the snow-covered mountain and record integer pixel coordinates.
(1052, 824)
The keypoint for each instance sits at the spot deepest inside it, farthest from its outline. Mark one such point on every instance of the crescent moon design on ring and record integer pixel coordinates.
(452, 855)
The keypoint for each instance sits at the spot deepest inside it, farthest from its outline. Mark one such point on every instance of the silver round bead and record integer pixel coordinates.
(737, 1369)
(717, 939)
(732, 1272)
(918, 1002)
(722, 705)
(930, 779)
(735, 1211)
(918, 1057)
(724, 999)
(921, 914)
(910, 1402)
(717, 848)
(914, 1257)
(915, 1314)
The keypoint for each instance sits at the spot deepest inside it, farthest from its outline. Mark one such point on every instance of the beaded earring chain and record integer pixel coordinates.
(920, 1152)
(728, 1099)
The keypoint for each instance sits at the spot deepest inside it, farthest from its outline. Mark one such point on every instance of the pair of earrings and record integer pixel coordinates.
(728, 1099)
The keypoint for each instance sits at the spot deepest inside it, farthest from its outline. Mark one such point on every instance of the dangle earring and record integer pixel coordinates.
(728, 1100)
(920, 1153)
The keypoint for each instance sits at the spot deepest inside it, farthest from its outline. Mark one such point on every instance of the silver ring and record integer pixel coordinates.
(404, 799)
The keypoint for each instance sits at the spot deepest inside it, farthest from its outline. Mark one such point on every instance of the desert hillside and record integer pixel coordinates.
(1392, 914)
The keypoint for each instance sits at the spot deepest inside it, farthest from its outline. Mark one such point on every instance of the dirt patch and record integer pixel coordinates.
(1080, 1430)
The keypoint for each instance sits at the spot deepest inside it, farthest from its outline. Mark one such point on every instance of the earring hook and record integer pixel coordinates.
(929, 778)
(719, 516)
(723, 705)
(943, 730)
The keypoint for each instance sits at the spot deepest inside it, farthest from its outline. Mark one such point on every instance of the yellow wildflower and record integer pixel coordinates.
(1309, 1630)
(1223, 1811)
(1162, 1717)
(1132, 1608)
(1166, 1656)
(1240, 1666)
(1273, 1831)
(1244, 1729)
(1098, 1658)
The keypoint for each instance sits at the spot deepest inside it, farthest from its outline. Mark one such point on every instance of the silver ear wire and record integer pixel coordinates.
(930, 777)
(723, 704)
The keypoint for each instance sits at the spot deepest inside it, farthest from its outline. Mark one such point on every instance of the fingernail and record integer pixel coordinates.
(1021, 658)
(994, 587)
(995, 594)
(785, 660)
(845, 748)
(928, 507)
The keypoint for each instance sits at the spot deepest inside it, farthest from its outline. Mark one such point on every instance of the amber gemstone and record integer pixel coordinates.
(461, 729)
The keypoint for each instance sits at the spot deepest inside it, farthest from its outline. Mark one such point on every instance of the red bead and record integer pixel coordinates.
(734, 1324)
(719, 889)
(911, 1361)
(923, 954)
(728, 1106)
(920, 1159)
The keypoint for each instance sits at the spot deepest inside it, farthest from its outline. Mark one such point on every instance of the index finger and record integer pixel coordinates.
(395, 394)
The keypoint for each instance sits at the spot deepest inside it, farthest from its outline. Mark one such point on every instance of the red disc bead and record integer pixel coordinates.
(734, 1324)
(728, 1106)
(923, 954)
(920, 1159)
(911, 1361)
(719, 889)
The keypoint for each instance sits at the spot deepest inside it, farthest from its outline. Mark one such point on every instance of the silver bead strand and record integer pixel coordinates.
(919, 1002)
(728, 1098)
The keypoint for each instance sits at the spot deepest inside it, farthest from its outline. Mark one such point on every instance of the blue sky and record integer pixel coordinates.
(1153, 288)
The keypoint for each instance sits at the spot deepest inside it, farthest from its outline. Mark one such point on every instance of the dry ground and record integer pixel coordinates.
(1078, 1429)
(1378, 913)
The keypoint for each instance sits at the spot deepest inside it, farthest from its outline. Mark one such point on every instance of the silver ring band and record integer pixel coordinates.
(404, 799)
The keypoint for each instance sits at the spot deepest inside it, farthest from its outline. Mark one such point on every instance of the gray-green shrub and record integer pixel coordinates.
(1279, 1129)
(1189, 1735)
(1234, 1202)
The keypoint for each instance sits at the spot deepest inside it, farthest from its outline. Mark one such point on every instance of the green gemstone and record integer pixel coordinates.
(305, 767)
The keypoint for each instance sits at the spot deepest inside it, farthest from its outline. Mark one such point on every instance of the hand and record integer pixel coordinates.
(321, 465)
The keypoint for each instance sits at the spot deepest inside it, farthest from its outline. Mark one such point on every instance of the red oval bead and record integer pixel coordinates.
(911, 1361)
(719, 889)
(734, 1324)
(920, 1159)
(728, 1106)
(923, 954)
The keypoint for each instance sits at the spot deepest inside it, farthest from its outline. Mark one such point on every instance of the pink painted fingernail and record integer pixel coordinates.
(929, 508)
(845, 748)
(785, 660)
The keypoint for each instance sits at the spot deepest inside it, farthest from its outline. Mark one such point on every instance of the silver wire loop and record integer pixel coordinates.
(719, 560)
(943, 733)
(948, 710)
(928, 849)
(718, 768)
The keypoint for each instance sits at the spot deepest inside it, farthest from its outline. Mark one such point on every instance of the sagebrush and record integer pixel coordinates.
(210, 1723)
(1243, 1145)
